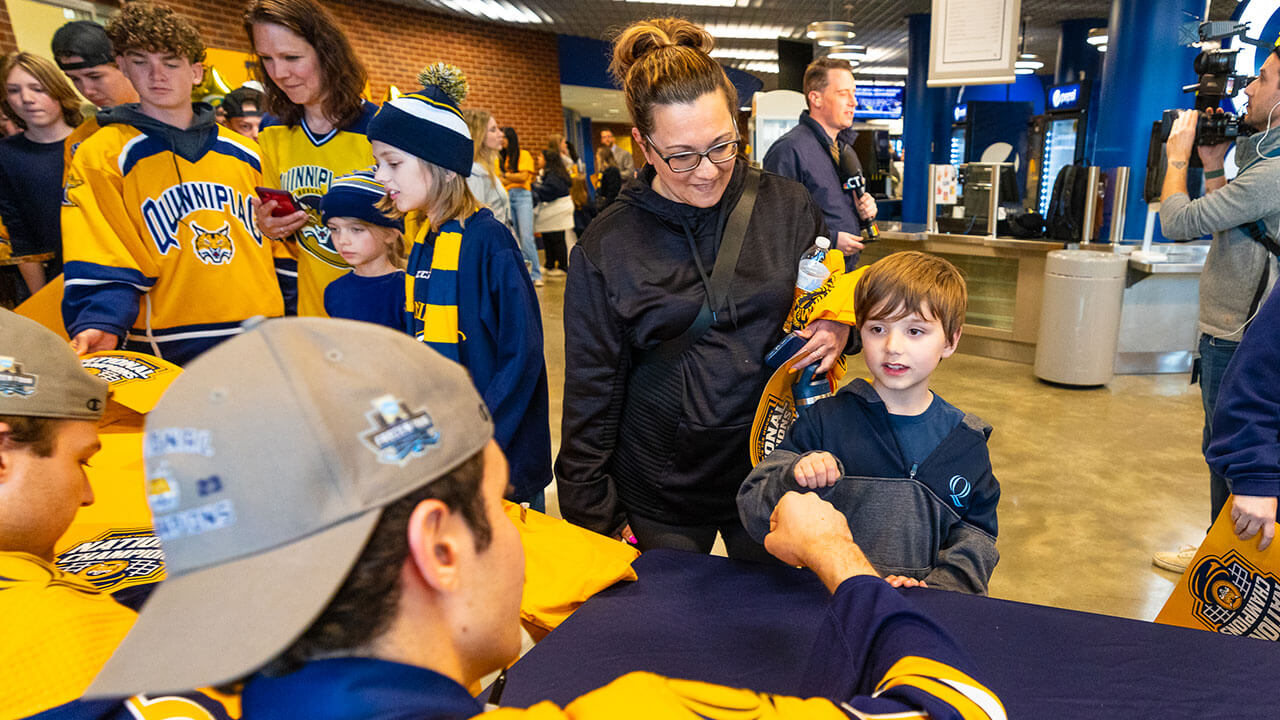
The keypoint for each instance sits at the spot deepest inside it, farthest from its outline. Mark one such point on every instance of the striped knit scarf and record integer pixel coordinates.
(432, 301)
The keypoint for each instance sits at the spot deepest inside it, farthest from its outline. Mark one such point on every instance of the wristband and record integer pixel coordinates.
(1211, 174)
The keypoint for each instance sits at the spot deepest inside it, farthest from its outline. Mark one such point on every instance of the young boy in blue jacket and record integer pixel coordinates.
(908, 470)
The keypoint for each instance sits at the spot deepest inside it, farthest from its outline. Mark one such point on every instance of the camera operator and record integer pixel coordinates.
(1244, 217)
(810, 152)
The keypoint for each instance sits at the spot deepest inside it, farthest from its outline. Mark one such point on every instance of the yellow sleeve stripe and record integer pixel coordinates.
(448, 248)
(945, 682)
(440, 323)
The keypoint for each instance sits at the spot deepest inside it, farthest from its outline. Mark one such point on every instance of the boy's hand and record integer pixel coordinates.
(901, 581)
(92, 340)
(817, 470)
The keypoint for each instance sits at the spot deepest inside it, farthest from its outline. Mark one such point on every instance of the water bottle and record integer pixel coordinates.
(809, 388)
(813, 272)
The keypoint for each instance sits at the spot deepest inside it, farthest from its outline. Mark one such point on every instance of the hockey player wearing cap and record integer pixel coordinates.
(49, 409)
(376, 575)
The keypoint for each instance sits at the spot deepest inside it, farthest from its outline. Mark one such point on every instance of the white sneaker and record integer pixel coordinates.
(1175, 561)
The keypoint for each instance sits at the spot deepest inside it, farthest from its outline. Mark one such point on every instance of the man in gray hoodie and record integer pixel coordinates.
(1244, 217)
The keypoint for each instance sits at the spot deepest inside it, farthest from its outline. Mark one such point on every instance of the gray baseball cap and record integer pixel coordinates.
(40, 375)
(268, 463)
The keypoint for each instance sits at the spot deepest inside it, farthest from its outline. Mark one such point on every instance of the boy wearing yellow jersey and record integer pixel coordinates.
(83, 53)
(163, 255)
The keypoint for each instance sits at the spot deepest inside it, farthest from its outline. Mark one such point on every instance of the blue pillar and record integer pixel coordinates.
(1142, 75)
(1075, 55)
(926, 123)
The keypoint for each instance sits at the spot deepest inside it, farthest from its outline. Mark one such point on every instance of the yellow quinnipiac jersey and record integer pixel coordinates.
(304, 163)
(56, 631)
(163, 251)
(73, 142)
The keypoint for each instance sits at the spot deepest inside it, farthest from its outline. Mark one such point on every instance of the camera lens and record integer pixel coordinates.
(1215, 62)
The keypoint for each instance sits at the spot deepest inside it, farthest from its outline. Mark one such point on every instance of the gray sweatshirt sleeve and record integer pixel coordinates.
(1252, 195)
(965, 561)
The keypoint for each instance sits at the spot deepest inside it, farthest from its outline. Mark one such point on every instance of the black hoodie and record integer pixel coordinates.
(189, 144)
(671, 444)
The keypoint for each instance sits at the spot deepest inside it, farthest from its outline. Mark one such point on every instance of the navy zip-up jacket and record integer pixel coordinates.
(934, 521)
(799, 156)
(1245, 447)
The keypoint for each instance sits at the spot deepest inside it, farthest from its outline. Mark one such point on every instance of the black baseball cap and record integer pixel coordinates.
(233, 103)
(85, 39)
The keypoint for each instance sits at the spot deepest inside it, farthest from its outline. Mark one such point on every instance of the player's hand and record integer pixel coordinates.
(867, 207)
(276, 228)
(1182, 137)
(804, 529)
(1253, 514)
(901, 581)
(848, 242)
(827, 339)
(1213, 157)
(93, 340)
(817, 470)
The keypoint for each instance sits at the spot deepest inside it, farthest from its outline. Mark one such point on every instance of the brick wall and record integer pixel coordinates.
(514, 72)
(8, 43)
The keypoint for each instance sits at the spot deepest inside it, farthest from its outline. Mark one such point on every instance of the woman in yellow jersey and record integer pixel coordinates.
(314, 131)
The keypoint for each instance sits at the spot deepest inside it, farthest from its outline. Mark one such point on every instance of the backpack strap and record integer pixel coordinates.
(1258, 231)
(731, 240)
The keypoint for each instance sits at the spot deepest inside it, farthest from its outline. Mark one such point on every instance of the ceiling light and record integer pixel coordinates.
(1024, 71)
(1027, 56)
(503, 11)
(1097, 36)
(744, 53)
(854, 53)
(830, 32)
(748, 32)
(768, 68)
(881, 70)
(703, 3)
(1028, 65)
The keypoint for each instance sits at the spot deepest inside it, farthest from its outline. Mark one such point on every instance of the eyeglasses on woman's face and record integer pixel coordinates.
(683, 162)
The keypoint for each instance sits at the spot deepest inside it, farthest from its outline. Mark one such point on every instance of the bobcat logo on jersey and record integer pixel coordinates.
(115, 559)
(314, 236)
(1234, 597)
(397, 434)
(309, 183)
(13, 381)
(213, 247)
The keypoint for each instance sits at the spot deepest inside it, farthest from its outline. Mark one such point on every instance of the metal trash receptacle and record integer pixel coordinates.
(1080, 317)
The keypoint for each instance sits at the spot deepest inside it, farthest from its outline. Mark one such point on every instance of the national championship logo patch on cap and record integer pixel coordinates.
(397, 434)
(13, 381)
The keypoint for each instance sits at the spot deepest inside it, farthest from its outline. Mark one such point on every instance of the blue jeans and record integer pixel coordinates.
(1215, 353)
(522, 217)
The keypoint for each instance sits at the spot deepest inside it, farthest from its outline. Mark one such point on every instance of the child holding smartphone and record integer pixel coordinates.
(372, 244)
(468, 294)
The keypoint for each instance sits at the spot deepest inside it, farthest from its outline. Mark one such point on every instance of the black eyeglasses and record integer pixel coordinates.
(683, 162)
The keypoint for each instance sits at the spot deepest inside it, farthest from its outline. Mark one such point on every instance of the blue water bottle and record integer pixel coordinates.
(810, 387)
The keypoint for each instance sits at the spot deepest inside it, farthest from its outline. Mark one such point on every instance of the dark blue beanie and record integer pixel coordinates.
(426, 124)
(356, 196)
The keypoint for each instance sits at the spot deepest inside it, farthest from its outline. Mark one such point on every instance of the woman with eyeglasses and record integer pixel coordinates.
(660, 392)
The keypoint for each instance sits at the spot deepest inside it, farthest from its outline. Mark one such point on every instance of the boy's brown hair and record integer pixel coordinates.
(912, 282)
(143, 27)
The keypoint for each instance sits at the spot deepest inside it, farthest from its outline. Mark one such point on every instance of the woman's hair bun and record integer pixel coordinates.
(449, 78)
(647, 36)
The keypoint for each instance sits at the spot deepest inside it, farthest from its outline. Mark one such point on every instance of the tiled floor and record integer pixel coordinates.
(1093, 480)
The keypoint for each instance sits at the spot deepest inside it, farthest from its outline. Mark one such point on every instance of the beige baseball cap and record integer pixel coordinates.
(268, 463)
(40, 375)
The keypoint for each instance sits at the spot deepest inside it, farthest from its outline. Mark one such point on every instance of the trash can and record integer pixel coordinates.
(1080, 317)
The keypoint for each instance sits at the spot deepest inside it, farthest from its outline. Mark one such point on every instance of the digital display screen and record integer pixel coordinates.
(1059, 152)
(879, 101)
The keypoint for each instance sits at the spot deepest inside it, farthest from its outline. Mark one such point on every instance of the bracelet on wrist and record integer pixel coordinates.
(1211, 174)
